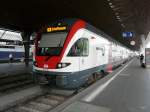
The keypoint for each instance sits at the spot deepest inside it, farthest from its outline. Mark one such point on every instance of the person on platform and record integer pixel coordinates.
(10, 58)
(141, 58)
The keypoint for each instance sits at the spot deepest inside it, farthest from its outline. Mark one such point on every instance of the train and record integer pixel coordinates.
(69, 52)
(13, 48)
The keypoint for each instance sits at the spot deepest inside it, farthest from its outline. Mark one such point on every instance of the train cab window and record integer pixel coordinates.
(51, 44)
(80, 48)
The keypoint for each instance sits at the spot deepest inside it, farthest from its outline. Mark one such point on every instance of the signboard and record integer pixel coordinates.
(147, 57)
(57, 28)
(127, 34)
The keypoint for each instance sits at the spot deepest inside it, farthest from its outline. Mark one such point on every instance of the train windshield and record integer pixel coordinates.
(51, 44)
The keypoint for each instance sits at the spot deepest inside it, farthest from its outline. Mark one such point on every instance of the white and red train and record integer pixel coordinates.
(68, 53)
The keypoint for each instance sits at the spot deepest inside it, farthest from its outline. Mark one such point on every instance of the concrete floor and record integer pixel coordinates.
(127, 89)
(128, 92)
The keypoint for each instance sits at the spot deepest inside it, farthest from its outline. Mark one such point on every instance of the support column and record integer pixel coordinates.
(26, 42)
(147, 40)
(142, 50)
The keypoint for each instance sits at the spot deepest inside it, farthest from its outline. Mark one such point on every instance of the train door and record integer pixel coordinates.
(100, 51)
(80, 52)
(84, 53)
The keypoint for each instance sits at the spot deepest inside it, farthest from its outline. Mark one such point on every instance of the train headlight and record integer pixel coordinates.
(62, 65)
(45, 66)
(59, 65)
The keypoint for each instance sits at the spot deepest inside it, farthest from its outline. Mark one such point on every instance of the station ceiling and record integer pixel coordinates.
(111, 16)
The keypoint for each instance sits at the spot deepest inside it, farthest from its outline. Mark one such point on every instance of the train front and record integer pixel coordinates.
(48, 54)
(53, 63)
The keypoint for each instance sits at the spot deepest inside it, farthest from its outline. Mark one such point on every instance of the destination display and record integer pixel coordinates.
(57, 28)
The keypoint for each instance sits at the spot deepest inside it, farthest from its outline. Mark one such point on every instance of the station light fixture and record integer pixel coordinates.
(120, 20)
(112, 6)
(118, 16)
(132, 43)
(123, 25)
(116, 13)
(110, 3)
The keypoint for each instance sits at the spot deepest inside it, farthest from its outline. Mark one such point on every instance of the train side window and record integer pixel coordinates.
(80, 48)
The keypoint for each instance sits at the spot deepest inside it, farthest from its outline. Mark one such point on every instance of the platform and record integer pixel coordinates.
(14, 68)
(127, 89)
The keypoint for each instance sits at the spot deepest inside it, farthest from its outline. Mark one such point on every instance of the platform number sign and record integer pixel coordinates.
(127, 34)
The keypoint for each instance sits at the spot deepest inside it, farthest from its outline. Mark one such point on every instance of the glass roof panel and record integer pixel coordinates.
(10, 35)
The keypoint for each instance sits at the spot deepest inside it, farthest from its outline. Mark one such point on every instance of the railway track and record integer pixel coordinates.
(47, 101)
(13, 81)
(42, 103)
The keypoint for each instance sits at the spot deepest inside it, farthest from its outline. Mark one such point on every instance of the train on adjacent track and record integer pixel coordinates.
(15, 48)
(69, 52)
